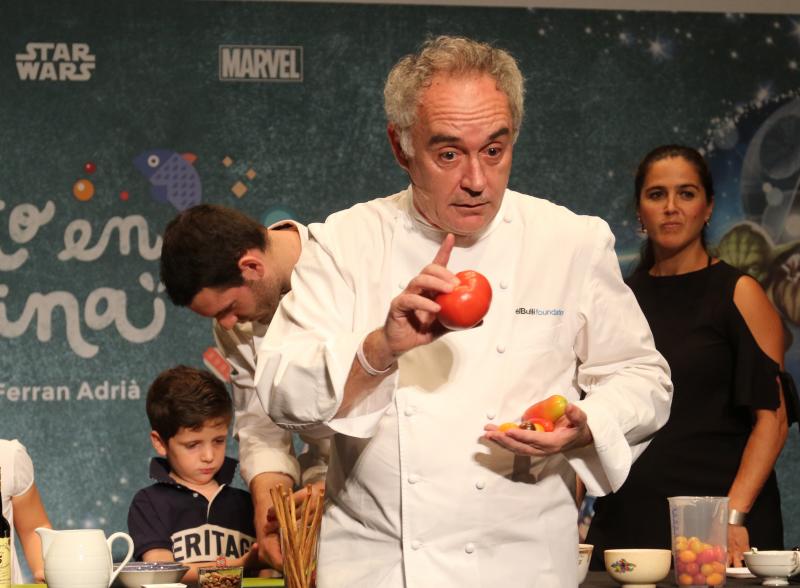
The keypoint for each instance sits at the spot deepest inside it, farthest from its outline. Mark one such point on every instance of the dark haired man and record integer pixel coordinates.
(224, 265)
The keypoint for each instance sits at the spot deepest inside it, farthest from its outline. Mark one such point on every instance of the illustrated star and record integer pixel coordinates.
(658, 49)
(763, 94)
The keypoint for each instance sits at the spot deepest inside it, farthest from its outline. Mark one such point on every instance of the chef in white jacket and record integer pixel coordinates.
(422, 488)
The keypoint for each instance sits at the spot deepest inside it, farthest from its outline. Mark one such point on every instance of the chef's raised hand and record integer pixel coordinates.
(411, 320)
(570, 431)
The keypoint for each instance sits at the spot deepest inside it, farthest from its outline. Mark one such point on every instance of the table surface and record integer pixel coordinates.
(603, 580)
(593, 580)
(247, 583)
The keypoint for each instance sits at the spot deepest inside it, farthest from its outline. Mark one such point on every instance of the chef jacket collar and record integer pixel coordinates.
(435, 233)
(159, 471)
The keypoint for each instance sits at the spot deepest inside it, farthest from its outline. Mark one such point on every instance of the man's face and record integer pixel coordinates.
(195, 455)
(255, 300)
(462, 152)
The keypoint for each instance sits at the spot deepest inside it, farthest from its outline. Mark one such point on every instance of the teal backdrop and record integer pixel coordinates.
(116, 114)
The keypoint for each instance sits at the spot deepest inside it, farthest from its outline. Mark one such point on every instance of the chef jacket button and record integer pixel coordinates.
(507, 218)
(490, 415)
(469, 547)
(503, 284)
(401, 285)
(194, 494)
(413, 479)
(480, 484)
(501, 348)
(416, 544)
(409, 411)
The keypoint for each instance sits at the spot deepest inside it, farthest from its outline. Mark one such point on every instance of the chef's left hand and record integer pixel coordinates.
(738, 543)
(570, 431)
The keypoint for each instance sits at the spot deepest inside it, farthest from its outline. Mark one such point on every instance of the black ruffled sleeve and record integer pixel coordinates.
(756, 375)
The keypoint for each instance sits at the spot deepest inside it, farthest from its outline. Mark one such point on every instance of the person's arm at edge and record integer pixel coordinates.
(29, 513)
(770, 427)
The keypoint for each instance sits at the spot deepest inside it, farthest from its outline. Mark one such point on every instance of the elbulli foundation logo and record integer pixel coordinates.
(260, 63)
(540, 311)
(56, 62)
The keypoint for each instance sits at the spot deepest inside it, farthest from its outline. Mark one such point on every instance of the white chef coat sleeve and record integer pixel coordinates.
(626, 380)
(22, 472)
(305, 358)
(263, 446)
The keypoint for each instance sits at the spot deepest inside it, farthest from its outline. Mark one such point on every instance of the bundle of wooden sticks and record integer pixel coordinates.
(299, 532)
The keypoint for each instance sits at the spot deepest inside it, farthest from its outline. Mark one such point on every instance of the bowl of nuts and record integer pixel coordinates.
(220, 577)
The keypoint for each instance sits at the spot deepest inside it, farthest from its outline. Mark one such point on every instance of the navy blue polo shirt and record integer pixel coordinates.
(168, 515)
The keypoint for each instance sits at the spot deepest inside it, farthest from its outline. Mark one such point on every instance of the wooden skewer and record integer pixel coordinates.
(298, 537)
(281, 512)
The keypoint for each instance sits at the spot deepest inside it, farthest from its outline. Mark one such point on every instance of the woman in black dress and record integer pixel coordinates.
(724, 343)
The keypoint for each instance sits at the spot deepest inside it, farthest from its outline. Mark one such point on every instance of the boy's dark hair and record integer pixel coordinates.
(184, 396)
(202, 247)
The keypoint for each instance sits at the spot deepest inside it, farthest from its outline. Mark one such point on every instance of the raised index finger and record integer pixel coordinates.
(443, 255)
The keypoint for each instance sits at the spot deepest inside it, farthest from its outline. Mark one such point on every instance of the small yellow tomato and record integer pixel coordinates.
(687, 556)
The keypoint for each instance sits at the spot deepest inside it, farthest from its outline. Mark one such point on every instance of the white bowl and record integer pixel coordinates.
(137, 573)
(774, 566)
(584, 556)
(638, 568)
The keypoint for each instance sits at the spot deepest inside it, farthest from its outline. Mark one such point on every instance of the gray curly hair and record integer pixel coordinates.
(453, 55)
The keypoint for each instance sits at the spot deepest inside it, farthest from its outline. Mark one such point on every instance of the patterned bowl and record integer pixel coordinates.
(641, 568)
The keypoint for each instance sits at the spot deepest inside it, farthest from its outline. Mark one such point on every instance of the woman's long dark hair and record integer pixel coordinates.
(647, 257)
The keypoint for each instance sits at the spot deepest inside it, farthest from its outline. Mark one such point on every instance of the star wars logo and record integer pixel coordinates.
(57, 62)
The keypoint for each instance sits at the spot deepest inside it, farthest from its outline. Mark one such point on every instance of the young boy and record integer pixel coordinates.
(191, 514)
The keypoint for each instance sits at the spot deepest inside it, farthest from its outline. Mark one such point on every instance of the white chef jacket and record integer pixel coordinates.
(16, 468)
(415, 497)
(263, 447)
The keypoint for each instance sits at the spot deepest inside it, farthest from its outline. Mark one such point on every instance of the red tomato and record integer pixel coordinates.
(467, 304)
(551, 408)
(706, 556)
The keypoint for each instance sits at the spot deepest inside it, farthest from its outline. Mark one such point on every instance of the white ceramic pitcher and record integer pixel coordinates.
(80, 558)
